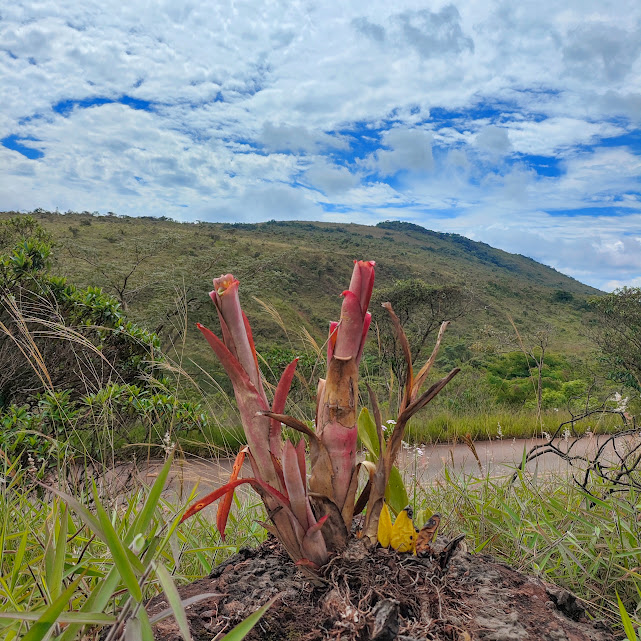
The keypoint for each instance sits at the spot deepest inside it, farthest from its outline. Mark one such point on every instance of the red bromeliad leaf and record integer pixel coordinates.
(302, 465)
(232, 485)
(317, 526)
(350, 331)
(278, 405)
(282, 390)
(250, 339)
(362, 282)
(313, 544)
(306, 563)
(320, 395)
(225, 505)
(227, 337)
(331, 341)
(367, 321)
(236, 372)
(228, 305)
(278, 466)
(293, 483)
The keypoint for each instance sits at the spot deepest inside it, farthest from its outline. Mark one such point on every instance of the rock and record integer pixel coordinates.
(385, 626)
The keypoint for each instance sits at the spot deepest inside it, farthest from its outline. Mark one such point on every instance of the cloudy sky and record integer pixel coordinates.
(514, 123)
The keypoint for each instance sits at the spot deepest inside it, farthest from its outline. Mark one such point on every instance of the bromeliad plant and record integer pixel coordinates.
(312, 517)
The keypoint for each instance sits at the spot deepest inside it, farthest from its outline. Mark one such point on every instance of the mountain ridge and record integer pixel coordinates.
(301, 267)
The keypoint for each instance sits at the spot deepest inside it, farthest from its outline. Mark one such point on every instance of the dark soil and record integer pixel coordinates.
(381, 595)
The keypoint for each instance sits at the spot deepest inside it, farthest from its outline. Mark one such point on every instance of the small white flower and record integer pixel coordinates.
(167, 444)
(391, 422)
(31, 467)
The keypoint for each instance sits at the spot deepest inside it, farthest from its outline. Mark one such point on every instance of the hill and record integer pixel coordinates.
(162, 270)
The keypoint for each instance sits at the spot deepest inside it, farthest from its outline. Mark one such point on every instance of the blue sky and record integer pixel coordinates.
(518, 124)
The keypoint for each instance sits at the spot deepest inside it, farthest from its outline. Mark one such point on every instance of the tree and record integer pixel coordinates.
(421, 308)
(618, 333)
(533, 346)
(123, 276)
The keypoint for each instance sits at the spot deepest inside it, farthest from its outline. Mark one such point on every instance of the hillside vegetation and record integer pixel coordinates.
(507, 310)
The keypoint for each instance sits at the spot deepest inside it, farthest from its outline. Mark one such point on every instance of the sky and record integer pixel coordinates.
(514, 123)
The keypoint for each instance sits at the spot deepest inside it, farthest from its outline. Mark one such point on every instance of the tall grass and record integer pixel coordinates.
(449, 426)
(72, 559)
(587, 541)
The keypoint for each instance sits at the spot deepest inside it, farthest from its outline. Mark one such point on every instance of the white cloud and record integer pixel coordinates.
(494, 140)
(330, 179)
(297, 139)
(408, 150)
(601, 51)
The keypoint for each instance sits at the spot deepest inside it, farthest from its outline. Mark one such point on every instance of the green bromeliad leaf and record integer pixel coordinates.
(395, 493)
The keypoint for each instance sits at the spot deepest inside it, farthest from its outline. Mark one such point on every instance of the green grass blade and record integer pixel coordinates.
(143, 519)
(96, 601)
(89, 618)
(138, 628)
(185, 602)
(87, 517)
(245, 627)
(173, 597)
(55, 581)
(628, 626)
(147, 632)
(17, 563)
(48, 618)
(118, 552)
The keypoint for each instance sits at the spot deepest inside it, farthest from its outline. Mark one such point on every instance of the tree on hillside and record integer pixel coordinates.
(123, 277)
(421, 308)
(618, 334)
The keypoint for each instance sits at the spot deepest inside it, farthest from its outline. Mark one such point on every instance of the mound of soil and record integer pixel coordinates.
(380, 595)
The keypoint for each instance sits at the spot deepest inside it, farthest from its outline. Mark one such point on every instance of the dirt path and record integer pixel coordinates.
(426, 463)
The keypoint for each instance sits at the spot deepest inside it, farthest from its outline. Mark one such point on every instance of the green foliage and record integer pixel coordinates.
(61, 563)
(561, 296)
(618, 334)
(73, 363)
(512, 380)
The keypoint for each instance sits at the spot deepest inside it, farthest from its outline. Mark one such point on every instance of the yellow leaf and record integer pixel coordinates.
(403, 537)
(384, 527)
